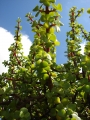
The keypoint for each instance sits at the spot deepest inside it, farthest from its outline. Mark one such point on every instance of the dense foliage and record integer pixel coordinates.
(35, 87)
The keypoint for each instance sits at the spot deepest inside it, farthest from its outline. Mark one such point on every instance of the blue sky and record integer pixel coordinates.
(10, 10)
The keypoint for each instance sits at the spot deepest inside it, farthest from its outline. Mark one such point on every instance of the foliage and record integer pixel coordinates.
(35, 87)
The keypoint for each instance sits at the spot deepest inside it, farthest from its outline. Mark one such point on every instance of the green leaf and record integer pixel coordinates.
(16, 114)
(52, 37)
(46, 3)
(36, 8)
(52, 14)
(79, 88)
(87, 88)
(51, 19)
(1, 91)
(59, 7)
(57, 100)
(41, 1)
(72, 106)
(37, 14)
(38, 62)
(43, 71)
(62, 113)
(59, 106)
(49, 44)
(82, 94)
(27, 15)
(43, 18)
(47, 68)
(88, 10)
(54, 5)
(52, 1)
(65, 101)
(24, 109)
(66, 85)
(24, 113)
(51, 31)
(69, 111)
(34, 23)
(44, 64)
(21, 114)
(61, 24)
(27, 115)
(53, 112)
(33, 66)
(45, 76)
(19, 20)
(57, 43)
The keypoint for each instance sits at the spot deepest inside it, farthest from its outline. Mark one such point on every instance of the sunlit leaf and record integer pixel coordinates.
(36, 8)
(88, 10)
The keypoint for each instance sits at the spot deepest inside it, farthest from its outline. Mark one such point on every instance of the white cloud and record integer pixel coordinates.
(26, 44)
(82, 47)
(6, 39)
